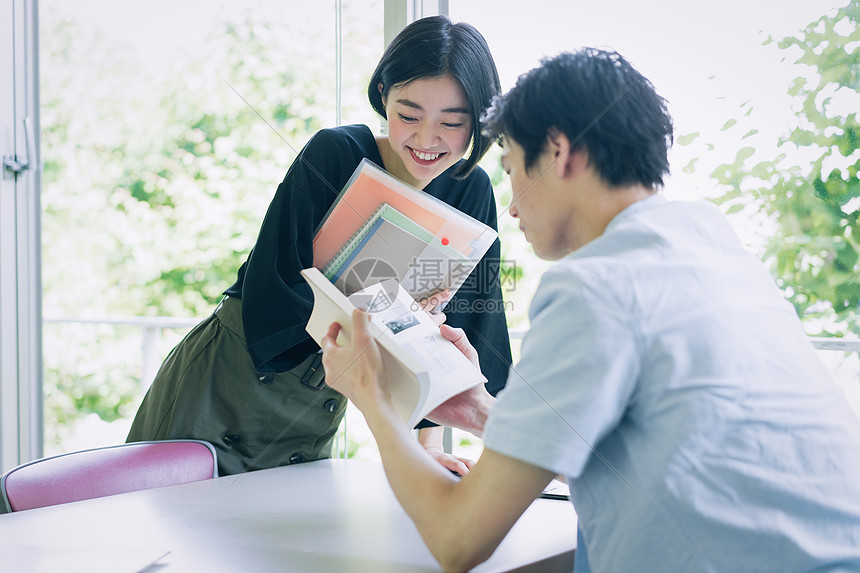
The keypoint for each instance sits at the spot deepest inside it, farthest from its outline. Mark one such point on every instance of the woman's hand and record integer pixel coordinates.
(435, 301)
(431, 439)
(459, 466)
(458, 337)
(468, 410)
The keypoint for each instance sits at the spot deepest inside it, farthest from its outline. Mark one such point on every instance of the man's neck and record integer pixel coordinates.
(616, 200)
(598, 205)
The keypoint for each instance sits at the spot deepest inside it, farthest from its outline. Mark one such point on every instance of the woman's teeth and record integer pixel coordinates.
(426, 156)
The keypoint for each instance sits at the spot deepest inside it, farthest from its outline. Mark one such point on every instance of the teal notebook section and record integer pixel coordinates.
(389, 251)
(390, 243)
(385, 211)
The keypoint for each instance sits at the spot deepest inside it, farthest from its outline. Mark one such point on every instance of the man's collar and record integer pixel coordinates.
(650, 202)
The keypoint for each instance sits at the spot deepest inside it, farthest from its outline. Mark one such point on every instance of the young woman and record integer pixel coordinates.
(248, 378)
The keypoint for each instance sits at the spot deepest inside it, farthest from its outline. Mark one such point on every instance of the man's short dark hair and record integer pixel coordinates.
(432, 47)
(601, 103)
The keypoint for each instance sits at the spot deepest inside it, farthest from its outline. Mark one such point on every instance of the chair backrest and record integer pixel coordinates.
(107, 471)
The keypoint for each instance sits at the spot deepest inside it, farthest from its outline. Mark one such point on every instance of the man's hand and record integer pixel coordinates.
(468, 410)
(355, 370)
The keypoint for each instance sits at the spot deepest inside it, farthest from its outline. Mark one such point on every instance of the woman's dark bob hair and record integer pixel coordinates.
(432, 47)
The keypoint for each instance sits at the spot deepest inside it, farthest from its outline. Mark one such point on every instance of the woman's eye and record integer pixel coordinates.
(453, 125)
(406, 118)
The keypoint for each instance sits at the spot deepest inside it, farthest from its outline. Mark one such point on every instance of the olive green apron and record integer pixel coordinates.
(208, 389)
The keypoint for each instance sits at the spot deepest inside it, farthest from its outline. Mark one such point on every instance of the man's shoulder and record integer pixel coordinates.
(654, 229)
(575, 270)
(568, 279)
(700, 219)
(586, 286)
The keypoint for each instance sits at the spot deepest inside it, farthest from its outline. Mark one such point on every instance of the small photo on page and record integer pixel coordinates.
(402, 320)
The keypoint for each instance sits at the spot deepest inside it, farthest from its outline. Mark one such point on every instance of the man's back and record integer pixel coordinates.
(720, 441)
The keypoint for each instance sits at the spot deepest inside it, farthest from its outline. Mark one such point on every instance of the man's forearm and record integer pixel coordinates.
(424, 488)
(429, 493)
(414, 476)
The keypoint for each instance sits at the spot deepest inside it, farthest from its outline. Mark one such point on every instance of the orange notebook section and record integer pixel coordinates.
(368, 188)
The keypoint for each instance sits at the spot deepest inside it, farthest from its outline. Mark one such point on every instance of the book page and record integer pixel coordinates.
(448, 370)
(422, 369)
(404, 374)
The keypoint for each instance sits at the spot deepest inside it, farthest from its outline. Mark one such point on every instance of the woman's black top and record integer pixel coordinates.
(276, 300)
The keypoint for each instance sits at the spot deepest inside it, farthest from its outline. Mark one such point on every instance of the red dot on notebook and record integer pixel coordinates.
(445, 240)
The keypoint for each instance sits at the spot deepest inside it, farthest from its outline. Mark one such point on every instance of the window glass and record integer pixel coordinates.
(712, 62)
(762, 123)
(167, 127)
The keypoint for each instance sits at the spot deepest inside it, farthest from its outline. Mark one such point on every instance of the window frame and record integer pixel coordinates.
(21, 435)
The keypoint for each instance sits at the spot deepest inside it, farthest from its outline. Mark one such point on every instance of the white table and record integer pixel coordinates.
(326, 516)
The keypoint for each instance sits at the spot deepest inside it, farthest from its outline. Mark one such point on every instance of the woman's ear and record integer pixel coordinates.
(384, 98)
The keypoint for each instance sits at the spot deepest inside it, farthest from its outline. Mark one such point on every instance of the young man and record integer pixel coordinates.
(664, 373)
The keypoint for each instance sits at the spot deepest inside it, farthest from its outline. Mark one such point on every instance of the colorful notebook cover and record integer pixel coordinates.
(369, 188)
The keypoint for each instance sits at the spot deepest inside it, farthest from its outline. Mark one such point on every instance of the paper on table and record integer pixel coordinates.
(556, 490)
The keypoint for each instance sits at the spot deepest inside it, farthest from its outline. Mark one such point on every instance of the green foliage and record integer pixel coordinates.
(809, 189)
(81, 378)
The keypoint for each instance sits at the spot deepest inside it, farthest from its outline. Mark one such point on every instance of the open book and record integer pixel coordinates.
(422, 369)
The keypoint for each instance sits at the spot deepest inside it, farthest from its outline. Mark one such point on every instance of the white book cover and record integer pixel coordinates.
(422, 369)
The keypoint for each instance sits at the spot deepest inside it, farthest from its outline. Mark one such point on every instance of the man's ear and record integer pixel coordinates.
(566, 160)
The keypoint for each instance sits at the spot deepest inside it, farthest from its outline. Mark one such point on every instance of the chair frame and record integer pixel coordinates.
(7, 503)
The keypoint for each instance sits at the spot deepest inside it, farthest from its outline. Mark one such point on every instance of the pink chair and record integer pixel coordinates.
(107, 471)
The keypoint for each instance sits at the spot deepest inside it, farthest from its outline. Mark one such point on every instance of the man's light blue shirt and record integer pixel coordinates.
(667, 377)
